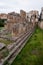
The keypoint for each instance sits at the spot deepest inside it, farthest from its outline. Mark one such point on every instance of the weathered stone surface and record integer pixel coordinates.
(3, 16)
(22, 14)
(15, 29)
(2, 45)
(18, 19)
(18, 28)
(32, 16)
(40, 24)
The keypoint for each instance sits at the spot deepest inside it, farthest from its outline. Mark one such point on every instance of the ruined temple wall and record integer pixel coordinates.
(22, 14)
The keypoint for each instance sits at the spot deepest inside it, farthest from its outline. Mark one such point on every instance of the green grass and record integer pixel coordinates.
(6, 41)
(1, 28)
(32, 53)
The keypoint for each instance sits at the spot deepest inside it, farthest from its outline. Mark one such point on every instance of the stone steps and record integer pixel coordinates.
(18, 46)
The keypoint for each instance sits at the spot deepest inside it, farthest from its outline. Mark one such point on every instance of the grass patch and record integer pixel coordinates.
(1, 28)
(32, 53)
(5, 41)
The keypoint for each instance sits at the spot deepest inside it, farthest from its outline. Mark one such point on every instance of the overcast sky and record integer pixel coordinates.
(15, 5)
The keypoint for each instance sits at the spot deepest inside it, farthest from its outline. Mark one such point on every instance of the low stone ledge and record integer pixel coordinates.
(2, 45)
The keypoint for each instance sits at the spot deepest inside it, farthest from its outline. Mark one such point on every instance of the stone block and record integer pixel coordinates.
(2, 45)
(22, 14)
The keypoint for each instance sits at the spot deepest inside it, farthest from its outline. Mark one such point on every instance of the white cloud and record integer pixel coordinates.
(16, 5)
(1, 3)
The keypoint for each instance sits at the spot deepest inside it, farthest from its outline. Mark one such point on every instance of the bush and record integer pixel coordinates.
(2, 21)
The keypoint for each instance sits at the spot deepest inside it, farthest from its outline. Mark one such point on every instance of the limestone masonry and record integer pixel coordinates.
(18, 27)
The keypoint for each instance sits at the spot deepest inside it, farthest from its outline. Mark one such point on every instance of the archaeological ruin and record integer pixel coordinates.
(18, 27)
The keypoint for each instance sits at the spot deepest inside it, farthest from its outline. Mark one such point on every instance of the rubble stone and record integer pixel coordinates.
(2, 45)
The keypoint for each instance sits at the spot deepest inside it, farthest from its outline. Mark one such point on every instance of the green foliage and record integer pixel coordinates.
(2, 22)
(6, 63)
(5, 53)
